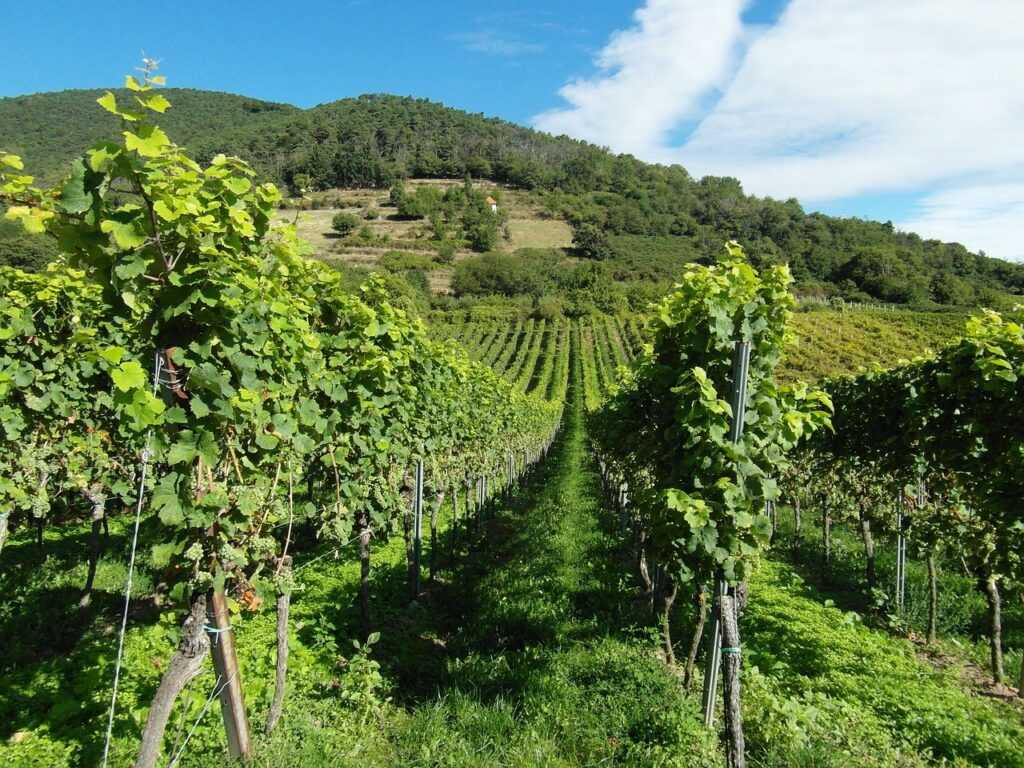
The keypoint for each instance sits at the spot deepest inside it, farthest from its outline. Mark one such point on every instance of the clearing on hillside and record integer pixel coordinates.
(381, 230)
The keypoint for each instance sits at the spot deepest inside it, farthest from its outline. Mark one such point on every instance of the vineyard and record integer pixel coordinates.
(481, 541)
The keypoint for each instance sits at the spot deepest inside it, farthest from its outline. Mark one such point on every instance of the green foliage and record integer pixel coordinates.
(361, 684)
(944, 420)
(585, 287)
(420, 204)
(396, 194)
(667, 430)
(480, 224)
(833, 342)
(508, 275)
(285, 368)
(21, 250)
(591, 242)
(207, 122)
(648, 211)
(344, 223)
(446, 252)
(898, 703)
(549, 307)
(399, 261)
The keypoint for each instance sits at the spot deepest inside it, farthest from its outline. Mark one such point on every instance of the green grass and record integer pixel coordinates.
(818, 653)
(962, 619)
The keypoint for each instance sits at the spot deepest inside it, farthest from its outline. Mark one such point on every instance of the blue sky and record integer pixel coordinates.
(504, 59)
(895, 111)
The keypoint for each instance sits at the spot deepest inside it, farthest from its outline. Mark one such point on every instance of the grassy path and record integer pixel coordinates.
(535, 658)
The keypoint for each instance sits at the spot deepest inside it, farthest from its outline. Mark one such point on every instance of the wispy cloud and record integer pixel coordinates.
(493, 44)
(651, 75)
(989, 217)
(838, 98)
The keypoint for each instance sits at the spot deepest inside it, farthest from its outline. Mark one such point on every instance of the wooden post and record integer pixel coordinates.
(734, 746)
(417, 528)
(623, 505)
(283, 605)
(225, 665)
(511, 475)
(740, 367)
(899, 552)
(453, 532)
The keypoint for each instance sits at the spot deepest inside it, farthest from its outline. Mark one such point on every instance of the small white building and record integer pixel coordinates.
(493, 203)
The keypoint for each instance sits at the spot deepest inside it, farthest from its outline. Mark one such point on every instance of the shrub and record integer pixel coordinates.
(344, 223)
(399, 261)
(422, 203)
(591, 242)
(445, 252)
(549, 308)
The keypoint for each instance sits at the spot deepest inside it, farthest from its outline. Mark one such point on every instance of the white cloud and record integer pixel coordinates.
(652, 75)
(986, 217)
(485, 41)
(838, 98)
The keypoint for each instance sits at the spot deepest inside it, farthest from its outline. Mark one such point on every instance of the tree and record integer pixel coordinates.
(591, 242)
(420, 204)
(445, 252)
(480, 225)
(344, 223)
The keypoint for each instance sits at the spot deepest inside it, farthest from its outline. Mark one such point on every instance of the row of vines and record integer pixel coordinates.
(533, 354)
(697, 442)
(184, 362)
(930, 453)
(692, 436)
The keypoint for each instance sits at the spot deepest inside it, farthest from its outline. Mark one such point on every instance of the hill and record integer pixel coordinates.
(634, 211)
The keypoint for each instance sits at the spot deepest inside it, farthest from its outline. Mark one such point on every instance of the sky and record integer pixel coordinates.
(908, 111)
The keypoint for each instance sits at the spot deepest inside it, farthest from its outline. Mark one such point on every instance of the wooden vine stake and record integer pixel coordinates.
(281, 671)
(734, 746)
(901, 552)
(453, 531)
(225, 665)
(740, 367)
(417, 531)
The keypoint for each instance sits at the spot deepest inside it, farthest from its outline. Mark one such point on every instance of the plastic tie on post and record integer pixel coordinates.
(731, 650)
(216, 631)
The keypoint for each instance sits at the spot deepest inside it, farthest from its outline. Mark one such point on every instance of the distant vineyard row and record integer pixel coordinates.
(533, 354)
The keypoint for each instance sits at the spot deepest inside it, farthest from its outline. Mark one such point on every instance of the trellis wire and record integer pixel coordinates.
(218, 688)
(144, 463)
(332, 551)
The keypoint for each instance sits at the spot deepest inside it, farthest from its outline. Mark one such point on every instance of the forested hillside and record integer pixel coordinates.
(618, 205)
